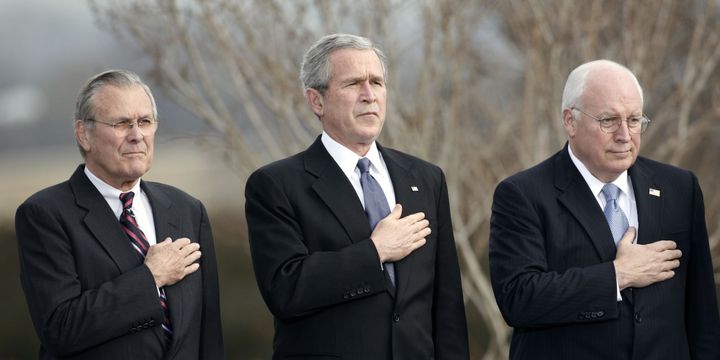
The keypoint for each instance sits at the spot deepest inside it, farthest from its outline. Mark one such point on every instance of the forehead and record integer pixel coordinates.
(354, 62)
(612, 90)
(124, 101)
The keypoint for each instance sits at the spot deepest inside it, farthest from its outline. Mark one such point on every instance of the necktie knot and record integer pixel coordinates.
(364, 165)
(611, 192)
(127, 200)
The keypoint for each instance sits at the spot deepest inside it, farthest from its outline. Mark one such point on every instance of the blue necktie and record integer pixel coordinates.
(614, 215)
(376, 205)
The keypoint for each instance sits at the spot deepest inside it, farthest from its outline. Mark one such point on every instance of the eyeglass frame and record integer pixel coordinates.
(123, 127)
(643, 126)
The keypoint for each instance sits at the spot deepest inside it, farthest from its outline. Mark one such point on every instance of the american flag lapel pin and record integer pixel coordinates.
(654, 192)
(414, 188)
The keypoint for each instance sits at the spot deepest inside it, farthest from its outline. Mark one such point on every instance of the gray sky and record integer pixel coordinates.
(48, 49)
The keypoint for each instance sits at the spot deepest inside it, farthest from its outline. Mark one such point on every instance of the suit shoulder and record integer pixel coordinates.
(55, 194)
(538, 173)
(172, 192)
(661, 168)
(288, 164)
(415, 161)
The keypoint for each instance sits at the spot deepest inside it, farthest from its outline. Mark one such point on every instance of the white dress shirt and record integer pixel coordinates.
(347, 160)
(626, 200)
(141, 205)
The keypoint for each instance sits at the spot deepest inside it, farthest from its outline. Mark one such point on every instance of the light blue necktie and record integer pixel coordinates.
(376, 205)
(614, 215)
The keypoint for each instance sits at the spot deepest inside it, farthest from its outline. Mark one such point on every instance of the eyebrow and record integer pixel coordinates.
(362, 78)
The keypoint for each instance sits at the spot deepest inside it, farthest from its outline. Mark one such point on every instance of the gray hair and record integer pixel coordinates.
(575, 84)
(85, 106)
(315, 68)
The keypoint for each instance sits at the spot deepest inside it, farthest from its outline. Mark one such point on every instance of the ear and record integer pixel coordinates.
(315, 100)
(569, 122)
(81, 135)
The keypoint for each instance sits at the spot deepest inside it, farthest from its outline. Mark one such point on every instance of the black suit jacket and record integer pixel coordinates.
(320, 274)
(551, 254)
(90, 296)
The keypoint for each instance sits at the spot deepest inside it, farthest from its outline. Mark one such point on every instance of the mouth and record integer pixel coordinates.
(621, 152)
(134, 153)
(369, 113)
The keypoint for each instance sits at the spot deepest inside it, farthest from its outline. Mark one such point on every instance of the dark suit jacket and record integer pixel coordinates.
(320, 274)
(551, 254)
(89, 295)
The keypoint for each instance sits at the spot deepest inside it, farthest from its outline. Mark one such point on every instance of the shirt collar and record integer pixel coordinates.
(594, 183)
(346, 158)
(106, 190)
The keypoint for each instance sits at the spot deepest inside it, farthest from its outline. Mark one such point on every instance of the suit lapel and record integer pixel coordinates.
(403, 180)
(102, 223)
(167, 225)
(648, 206)
(578, 199)
(335, 190)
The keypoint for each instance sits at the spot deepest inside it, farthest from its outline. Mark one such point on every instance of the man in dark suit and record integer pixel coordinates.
(338, 285)
(597, 253)
(110, 264)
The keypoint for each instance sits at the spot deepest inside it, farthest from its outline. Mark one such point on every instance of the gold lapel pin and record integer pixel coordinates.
(654, 192)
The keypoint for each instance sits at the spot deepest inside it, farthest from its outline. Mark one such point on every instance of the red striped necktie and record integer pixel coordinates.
(140, 244)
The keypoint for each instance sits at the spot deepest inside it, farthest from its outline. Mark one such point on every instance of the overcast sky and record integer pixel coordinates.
(48, 49)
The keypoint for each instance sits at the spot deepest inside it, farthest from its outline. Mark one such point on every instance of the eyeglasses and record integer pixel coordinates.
(611, 124)
(122, 128)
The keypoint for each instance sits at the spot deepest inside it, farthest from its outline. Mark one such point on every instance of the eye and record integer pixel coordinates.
(634, 122)
(608, 122)
(144, 122)
(125, 124)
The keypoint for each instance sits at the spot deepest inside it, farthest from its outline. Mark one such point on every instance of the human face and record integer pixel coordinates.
(352, 110)
(608, 92)
(119, 160)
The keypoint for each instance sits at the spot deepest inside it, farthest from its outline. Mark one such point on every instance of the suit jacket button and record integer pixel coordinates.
(396, 317)
(638, 317)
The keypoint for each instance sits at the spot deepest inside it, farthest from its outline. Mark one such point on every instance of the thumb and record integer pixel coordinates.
(629, 236)
(396, 212)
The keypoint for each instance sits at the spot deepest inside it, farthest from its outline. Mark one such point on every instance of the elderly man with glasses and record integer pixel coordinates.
(111, 264)
(597, 253)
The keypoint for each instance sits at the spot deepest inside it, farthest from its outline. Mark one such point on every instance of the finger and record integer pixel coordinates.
(628, 237)
(423, 233)
(422, 224)
(191, 258)
(417, 244)
(663, 245)
(672, 254)
(666, 275)
(191, 269)
(189, 248)
(674, 264)
(413, 218)
(179, 243)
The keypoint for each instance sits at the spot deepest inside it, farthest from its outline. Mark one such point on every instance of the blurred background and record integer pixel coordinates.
(474, 86)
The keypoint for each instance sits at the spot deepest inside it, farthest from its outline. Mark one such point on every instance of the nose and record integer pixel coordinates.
(367, 94)
(623, 132)
(134, 133)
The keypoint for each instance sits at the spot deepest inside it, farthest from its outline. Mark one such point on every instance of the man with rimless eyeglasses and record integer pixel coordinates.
(114, 267)
(597, 253)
